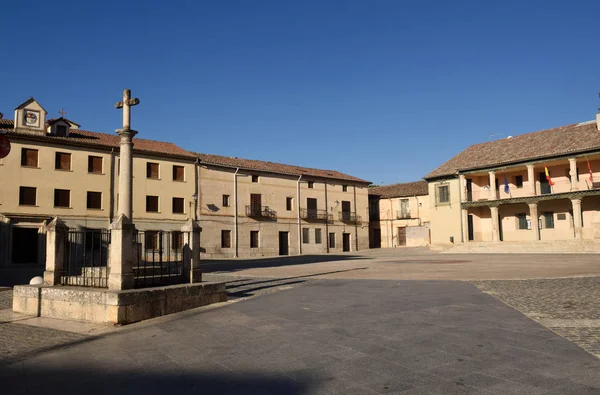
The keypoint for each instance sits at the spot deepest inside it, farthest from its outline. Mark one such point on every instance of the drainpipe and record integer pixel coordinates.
(460, 190)
(326, 220)
(111, 189)
(299, 223)
(418, 215)
(391, 219)
(235, 212)
(356, 221)
(198, 201)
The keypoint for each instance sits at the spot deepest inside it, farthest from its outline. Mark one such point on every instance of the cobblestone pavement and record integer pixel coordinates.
(568, 306)
(5, 299)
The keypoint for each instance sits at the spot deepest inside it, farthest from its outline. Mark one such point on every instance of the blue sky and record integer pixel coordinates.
(383, 90)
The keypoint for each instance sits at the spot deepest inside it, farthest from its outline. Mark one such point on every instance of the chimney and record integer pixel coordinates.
(1, 115)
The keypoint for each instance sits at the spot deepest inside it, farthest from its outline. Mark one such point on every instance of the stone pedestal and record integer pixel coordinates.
(577, 219)
(56, 238)
(495, 224)
(191, 257)
(123, 254)
(535, 224)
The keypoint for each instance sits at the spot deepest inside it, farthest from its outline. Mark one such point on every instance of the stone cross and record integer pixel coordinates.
(126, 105)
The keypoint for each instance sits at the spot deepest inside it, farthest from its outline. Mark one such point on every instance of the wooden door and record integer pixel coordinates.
(345, 242)
(402, 236)
(284, 243)
(255, 203)
(544, 186)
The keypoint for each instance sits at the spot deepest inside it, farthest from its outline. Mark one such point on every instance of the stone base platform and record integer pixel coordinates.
(116, 307)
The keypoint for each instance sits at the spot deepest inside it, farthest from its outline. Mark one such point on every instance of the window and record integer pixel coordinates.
(318, 236)
(152, 240)
(519, 181)
(29, 157)
(94, 200)
(225, 239)
(311, 184)
(225, 200)
(152, 170)
(152, 204)
(522, 221)
(95, 164)
(61, 131)
(305, 235)
(62, 161)
(549, 220)
(404, 208)
(254, 178)
(177, 240)
(178, 173)
(178, 204)
(289, 203)
(62, 198)
(254, 239)
(332, 240)
(27, 196)
(344, 188)
(443, 194)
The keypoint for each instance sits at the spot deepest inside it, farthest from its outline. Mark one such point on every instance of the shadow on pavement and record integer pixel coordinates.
(232, 265)
(169, 379)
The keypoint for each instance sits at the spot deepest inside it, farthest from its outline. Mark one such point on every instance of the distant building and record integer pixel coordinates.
(399, 215)
(536, 186)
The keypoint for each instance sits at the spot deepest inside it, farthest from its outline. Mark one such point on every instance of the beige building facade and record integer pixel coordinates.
(500, 192)
(399, 215)
(56, 169)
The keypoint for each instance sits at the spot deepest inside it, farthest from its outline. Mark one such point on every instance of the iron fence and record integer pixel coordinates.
(159, 259)
(86, 258)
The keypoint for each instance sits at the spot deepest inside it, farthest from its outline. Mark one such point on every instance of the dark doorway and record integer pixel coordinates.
(284, 243)
(470, 227)
(375, 240)
(332, 240)
(24, 245)
(402, 236)
(544, 185)
(255, 203)
(345, 242)
(469, 190)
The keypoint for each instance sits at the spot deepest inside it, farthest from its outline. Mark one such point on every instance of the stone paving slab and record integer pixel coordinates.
(6, 299)
(568, 306)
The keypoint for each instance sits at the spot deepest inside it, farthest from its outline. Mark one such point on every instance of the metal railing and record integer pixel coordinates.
(86, 258)
(260, 212)
(160, 258)
(313, 214)
(350, 217)
(403, 215)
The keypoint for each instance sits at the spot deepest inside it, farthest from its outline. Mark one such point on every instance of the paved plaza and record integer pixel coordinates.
(317, 327)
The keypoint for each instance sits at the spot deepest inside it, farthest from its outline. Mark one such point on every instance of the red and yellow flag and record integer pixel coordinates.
(550, 182)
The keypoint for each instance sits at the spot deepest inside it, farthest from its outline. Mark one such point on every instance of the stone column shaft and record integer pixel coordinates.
(535, 221)
(465, 225)
(577, 220)
(531, 180)
(495, 223)
(126, 173)
(463, 188)
(56, 237)
(573, 174)
(191, 262)
(493, 191)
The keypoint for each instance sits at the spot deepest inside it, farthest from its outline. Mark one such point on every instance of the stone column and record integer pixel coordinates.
(126, 173)
(493, 191)
(463, 189)
(56, 238)
(535, 221)
(495, 223)
(191, 252)
(465, 225)
(573, 174)
(123, 254)
(577, 220)
(531, 180)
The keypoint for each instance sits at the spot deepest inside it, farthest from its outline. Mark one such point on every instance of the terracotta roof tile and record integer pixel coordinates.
(278, 168)
(106, 140)
(417, 188)
(562, 140)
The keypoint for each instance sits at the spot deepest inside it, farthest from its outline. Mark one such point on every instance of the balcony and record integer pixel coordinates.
(261, 212)
(349, 217)
(311, 214)
(403, 215)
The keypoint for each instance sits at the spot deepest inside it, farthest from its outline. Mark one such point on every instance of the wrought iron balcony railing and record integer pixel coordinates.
(260, 212)
(402, 215)
(312, 214)
(349, 217)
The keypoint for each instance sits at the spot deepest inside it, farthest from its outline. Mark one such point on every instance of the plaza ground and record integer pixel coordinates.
(344, 324)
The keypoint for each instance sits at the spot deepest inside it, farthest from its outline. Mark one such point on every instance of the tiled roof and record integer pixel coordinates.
(563, 140)
(104, 140)
(417, 188)
(277, 168)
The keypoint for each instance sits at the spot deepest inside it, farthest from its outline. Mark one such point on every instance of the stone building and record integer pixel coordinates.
(541, 186)
(399, 215)
(57, 169)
